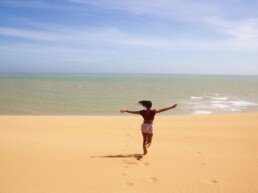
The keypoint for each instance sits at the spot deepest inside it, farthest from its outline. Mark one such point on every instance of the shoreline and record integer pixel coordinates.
(121, 114)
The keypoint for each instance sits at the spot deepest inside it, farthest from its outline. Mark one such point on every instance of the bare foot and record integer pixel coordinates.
(148, 145)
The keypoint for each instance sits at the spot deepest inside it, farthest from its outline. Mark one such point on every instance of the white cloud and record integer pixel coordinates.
(29, 4)
(239, 35)
(234, 34)
(30, 34)
(175, 9)
(107, 36)
(238, 38)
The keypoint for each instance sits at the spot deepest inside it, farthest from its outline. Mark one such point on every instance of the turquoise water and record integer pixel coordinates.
(106, 94)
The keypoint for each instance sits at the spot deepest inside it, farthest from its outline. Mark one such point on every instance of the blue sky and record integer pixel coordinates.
(133, 36)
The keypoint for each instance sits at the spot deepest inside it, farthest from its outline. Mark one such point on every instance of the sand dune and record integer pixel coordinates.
(95, 154)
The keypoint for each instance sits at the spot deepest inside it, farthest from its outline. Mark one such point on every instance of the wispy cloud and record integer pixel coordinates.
(238, 38)
(234, 34)
(165, 8)
(27, 4)
(114, 33)
(107, 36)
(241, 34)
(30, 34)
(40, 5)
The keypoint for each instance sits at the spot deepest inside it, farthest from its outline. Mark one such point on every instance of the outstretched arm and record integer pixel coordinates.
(127, 111)
(166, 109)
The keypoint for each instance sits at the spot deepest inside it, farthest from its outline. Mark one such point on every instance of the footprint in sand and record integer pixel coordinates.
(130, 162)
(211, 182)
(214, 181)
(129, 183)
(123, 174)
(146, 164)
(198, 152)
(153, 179)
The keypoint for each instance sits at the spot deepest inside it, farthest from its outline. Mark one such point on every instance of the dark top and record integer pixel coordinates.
(148, 114)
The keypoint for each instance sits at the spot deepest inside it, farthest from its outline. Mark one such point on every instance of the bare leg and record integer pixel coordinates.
(149, 139)
(145, 138)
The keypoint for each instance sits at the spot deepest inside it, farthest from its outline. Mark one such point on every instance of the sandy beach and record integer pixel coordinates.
(97, 154)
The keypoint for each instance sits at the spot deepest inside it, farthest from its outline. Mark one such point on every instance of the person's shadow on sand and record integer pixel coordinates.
(136, 156)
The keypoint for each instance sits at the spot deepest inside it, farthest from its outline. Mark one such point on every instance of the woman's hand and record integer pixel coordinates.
(174, 106)
(122, 111)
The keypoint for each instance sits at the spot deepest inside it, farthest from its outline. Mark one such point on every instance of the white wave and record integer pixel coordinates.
(219, 98)
(202, 112)
(197, 107)
(242, 103)
(218, 102)
(221, 106)
(196, 97)
(236, 110)
(235, 103)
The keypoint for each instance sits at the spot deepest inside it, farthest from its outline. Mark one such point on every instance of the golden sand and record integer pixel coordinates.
(102, 154)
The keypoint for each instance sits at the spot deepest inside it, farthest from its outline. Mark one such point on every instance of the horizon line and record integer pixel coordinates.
(124, 73)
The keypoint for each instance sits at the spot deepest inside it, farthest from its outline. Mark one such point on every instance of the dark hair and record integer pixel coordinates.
(146, 104)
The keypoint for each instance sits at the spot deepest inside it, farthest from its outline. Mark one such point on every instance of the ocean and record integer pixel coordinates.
(106, 94)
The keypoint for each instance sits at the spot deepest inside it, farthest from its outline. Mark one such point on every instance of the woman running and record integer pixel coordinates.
(147, 127)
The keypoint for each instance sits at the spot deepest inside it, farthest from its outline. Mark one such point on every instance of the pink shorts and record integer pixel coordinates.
(147, 128)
